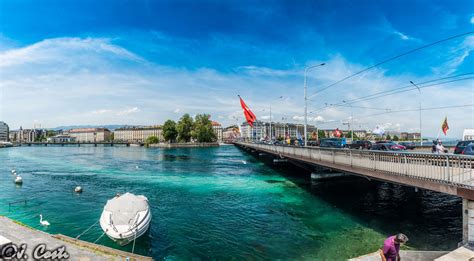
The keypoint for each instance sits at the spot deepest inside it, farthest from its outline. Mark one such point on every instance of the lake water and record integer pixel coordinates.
(207, 204)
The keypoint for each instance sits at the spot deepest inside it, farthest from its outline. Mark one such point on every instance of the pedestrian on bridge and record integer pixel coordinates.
(391, 247)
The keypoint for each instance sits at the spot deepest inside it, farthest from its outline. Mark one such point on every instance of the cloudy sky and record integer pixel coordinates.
(142, 62)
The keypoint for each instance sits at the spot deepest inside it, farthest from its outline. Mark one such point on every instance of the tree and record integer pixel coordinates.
(395, 138)
(203, 130)
(388, 137)
(185, 128)
(152, 140)
(169, 131)
(321, 134)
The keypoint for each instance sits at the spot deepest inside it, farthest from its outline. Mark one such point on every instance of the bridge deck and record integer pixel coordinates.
(447, 173)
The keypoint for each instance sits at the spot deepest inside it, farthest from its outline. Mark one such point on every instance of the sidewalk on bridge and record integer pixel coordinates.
(460, 254)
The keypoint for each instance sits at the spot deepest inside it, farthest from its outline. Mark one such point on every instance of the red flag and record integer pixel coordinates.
(249, 116)
(445, 126)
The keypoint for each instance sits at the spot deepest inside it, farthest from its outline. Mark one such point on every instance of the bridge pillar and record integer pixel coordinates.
(468, 221)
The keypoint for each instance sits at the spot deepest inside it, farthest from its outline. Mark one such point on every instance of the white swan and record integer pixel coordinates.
(43, 222)
(18, 180)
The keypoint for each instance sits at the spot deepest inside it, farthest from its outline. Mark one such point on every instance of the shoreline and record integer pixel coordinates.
(184, 145)
(20, 233)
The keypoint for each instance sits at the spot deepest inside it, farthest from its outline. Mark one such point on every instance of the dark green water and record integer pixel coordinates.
(207, 204)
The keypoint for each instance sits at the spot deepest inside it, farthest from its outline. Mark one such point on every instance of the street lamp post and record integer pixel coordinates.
(421, 137)
(306, 103)
(352, 122)
(271, 136)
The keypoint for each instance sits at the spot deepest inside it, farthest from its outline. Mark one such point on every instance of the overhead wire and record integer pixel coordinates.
(390, 59)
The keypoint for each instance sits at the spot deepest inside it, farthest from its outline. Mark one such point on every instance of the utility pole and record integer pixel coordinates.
(419, 90)
(306, 102)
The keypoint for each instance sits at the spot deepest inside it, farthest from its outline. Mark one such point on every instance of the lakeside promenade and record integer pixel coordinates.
(77, 249)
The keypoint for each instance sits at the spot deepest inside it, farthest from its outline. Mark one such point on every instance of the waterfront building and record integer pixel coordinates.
(409, 136)
(90, 134)
(27, 135)
(13, 135)
(217, 127)
(138, 134)
(230, 133)
(468, 134)
(61, 138)
(261, 130)
(4, 131)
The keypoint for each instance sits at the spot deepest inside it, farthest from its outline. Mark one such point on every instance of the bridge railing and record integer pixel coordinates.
(457, 170)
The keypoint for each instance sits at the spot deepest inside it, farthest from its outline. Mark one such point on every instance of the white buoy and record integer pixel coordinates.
(78, 189)
(43, 222)
(18, 180)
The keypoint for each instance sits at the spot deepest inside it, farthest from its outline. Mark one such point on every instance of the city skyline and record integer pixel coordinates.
(138, 65)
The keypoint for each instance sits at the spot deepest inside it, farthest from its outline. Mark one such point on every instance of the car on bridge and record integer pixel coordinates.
(392, 145)
(360, 144)
(468, 150)
(408, 145)
(332, 143)
(461, 146)
(388, 146)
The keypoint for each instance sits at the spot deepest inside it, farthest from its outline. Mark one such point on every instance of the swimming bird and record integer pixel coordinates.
(13, 171)
(78, 189)
(244, 162)
(43, 222)
(137, 167)
(18, 180)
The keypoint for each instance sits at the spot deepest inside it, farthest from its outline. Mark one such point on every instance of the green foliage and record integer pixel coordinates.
(185, 127)
(395, 138)
(169, 131)
(321, 134)
(152, 140)
(111, 137)
(388, 137)
(202, 130)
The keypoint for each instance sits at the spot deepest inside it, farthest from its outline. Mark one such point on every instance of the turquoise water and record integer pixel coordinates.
(207, 204)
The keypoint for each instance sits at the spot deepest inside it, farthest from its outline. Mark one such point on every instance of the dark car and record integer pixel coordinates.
(332, 143)
(461, 146)
(408, 145)
(468, 150)
(360, 144)
(392, 146)
(379, 146)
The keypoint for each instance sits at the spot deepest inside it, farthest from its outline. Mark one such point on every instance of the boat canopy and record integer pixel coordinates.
(125, 207)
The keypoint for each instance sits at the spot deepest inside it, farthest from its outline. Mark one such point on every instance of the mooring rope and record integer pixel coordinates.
(87, 229)
(99, 238)
(134, 238)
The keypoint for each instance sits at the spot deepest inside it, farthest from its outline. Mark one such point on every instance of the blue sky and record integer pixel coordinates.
(141, 62)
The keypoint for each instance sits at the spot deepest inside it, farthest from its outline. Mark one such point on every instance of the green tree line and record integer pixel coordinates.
(187, 128)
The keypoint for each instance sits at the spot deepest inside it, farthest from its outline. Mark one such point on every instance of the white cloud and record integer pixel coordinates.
(128, 111)
(472, 20)
(102, 111)
(68, 81)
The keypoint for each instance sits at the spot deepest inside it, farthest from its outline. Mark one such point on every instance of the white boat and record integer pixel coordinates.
(125, 218)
